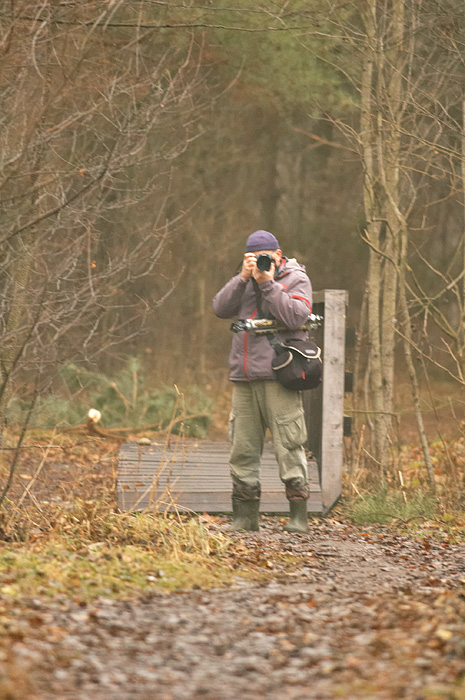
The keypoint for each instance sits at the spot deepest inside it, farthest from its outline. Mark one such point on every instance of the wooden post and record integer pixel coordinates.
(324, 407)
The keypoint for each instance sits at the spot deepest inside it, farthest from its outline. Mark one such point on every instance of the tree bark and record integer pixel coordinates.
(372, 230)
(407, 343)
(19, 282)
(462, 334)
(389, 169)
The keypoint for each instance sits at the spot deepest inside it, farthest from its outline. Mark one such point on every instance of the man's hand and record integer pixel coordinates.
(249, 265)
(264, 275)
(249, 269)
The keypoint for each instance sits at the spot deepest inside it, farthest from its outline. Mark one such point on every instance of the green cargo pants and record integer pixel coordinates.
(256, 406)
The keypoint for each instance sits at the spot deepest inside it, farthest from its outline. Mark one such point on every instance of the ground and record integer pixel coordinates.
(101, 605)
(365, 612)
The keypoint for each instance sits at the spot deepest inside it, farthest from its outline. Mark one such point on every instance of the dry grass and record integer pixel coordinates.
(87, 554)
(62, 533)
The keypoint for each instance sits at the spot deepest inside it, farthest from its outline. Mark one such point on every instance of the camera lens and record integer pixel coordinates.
(264, 262)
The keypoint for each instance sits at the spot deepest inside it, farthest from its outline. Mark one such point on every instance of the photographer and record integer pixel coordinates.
(282, 292)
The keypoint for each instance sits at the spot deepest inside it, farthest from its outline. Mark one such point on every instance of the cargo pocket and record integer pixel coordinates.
(232, 421)
(292, 430)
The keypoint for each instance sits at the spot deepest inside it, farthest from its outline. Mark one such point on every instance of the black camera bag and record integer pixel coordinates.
(297, 364)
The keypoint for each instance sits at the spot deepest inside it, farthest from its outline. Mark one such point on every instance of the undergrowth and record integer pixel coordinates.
(61, 533)
(88, 550)
(386, 506)
(124, 400)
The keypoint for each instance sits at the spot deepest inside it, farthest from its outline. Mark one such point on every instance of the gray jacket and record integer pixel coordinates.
(287, 298)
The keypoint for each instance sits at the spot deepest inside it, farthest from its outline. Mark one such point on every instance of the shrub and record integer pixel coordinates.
(124, 400)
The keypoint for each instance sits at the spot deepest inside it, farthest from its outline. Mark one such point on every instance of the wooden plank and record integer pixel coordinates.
(335, 302)
(195, 474)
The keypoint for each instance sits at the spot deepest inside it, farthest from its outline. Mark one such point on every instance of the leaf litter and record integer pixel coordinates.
(347, 611)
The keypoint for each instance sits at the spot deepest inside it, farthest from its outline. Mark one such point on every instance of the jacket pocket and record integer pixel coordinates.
(292, 430)
(232, 421)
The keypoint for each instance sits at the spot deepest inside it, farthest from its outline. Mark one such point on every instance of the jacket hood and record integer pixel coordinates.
(290, 264)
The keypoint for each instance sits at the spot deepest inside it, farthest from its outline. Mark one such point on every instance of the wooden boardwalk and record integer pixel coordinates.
(194, 474)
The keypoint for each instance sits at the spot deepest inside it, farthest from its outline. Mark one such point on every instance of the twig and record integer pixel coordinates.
(39, 447)
(34, 478)
(16, 454)
(120, 432)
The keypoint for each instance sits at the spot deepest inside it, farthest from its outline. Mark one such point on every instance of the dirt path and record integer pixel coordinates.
(366, 614)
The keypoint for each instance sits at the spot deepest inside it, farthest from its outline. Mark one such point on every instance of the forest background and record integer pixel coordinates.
(141, 141)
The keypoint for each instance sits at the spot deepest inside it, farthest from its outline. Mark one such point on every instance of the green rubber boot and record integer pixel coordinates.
(245, 515)
(299, 519)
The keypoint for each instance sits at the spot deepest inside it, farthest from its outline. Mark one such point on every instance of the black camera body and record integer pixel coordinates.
(264, 261)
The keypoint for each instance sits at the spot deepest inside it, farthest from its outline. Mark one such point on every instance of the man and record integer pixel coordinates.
(259, 401)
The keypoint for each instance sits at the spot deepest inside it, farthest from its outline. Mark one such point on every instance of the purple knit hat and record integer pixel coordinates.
(261, 240)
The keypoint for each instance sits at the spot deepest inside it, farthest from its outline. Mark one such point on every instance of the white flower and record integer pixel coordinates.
(94, 415)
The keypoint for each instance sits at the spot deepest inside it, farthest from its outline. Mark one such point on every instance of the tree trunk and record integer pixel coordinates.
(407, 343)
(270, 193)
(462, 334)
(20, 277)
(389, 170)
(372, 231)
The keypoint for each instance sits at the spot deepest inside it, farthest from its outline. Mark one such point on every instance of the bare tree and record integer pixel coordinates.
(417, 125)
(95, 109)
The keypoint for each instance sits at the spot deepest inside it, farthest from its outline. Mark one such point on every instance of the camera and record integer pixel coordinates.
(264, 261)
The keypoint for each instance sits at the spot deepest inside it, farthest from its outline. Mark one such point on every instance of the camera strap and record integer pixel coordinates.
(271, 337)
(258, 297)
